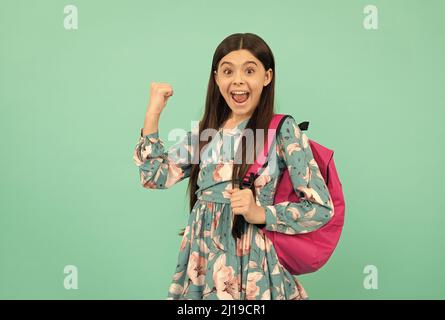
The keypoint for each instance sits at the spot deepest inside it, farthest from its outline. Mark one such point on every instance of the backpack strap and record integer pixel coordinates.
(261, 161)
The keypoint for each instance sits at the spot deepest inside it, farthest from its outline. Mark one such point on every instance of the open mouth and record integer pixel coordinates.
(239, 96)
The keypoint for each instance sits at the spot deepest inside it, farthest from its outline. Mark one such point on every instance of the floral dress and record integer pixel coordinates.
(212, 264)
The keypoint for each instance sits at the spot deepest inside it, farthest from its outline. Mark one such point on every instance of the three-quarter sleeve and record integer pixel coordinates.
(160, 168)
(315, 208)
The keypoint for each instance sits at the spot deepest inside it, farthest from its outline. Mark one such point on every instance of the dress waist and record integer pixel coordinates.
(215, 193)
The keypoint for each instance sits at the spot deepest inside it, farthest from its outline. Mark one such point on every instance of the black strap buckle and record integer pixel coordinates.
(303, 125)
(248, 184)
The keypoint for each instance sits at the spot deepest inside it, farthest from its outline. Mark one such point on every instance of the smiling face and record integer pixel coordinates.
(241, 77)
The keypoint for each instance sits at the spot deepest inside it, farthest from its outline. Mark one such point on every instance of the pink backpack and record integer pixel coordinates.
(307, 252)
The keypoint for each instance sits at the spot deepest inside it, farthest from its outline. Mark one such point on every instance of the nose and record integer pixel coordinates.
(238, 79)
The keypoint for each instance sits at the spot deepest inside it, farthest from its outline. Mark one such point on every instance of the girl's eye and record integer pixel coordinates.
(250, 69)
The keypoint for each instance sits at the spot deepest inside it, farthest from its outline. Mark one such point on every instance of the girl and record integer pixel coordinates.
(224, 252)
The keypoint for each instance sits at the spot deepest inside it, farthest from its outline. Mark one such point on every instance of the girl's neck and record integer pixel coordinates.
(233, 122)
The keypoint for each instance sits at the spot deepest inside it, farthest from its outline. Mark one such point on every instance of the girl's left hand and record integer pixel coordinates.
(243, 203)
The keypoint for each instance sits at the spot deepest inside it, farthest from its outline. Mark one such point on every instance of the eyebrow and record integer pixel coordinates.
(247, 62)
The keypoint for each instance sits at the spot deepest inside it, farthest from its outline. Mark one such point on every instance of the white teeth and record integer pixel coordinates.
(239, 92)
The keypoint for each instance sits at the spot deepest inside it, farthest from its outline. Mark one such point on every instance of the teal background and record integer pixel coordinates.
(73, 102)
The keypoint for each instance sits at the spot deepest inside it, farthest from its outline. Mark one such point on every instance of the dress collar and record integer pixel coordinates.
(238, 128)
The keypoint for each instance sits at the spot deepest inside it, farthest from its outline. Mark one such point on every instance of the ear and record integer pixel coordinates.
(215, 76)
(268, 77)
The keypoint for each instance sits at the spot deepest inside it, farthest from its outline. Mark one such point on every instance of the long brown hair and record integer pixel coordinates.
(217, 111)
